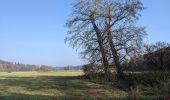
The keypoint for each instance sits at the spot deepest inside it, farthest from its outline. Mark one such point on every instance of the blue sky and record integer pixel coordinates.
(33, 32)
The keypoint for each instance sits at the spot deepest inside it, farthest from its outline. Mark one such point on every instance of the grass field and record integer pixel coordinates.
(54, 86)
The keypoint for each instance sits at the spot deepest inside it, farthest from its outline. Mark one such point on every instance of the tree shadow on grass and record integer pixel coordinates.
(45, 82)
(68, 87)
(17, 96)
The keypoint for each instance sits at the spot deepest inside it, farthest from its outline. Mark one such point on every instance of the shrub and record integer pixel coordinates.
(93, 71)
(149, 78)
(164, 90)
(134, 93)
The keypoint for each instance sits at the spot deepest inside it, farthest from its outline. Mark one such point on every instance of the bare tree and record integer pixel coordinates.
(105, 30)
(85, 31)
(124, 37)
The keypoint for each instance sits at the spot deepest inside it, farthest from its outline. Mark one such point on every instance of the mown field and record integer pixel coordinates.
(54, 86)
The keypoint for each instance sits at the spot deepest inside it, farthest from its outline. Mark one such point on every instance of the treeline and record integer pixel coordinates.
(72, 68)
(155, 58)
(6, 66)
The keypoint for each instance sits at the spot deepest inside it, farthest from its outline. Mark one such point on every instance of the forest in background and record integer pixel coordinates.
(6, 66)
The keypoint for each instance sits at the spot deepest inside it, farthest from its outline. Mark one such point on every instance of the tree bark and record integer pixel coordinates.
(112, 47)
(102, 48)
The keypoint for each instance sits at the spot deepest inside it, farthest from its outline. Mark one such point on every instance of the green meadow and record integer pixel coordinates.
(54, 86)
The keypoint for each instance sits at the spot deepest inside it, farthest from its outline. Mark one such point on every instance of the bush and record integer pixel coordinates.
(145, 85)
(92, 71)
(149, 78)
(164, 91)
(146, 79)
(134, 93)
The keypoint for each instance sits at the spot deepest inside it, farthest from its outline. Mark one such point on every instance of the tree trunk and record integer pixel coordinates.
(112, 47)
(102, 48)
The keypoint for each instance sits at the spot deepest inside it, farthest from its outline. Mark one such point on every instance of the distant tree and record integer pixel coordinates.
(10, 67)
(1, 68)
(44, 68)
(158, 55)
(149, 48)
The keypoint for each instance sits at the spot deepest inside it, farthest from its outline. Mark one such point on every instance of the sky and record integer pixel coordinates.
(33, 31)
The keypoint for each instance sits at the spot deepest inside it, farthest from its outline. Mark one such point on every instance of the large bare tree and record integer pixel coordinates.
(105, 30)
